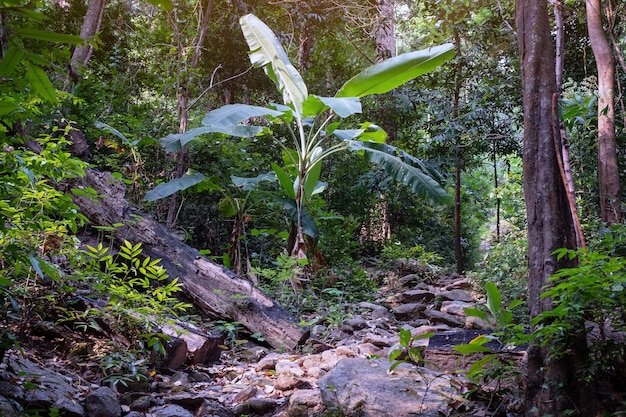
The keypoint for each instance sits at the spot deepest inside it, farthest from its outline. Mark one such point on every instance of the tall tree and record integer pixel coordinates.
(553, 385)
(91, 26)
(187, 61)
(608, 170)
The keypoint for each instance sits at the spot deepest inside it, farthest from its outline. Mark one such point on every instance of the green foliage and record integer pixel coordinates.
(492, 366)
(123, 368)
(408, 352)
(589, 300)
(36, 220)
(312, 122)
(393, 251)
(134, 286)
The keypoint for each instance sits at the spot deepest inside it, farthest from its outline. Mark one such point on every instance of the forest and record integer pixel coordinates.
(204, 185)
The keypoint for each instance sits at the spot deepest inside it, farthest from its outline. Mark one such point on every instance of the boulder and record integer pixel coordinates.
(102, 402)
(366, 388)
(26, 382)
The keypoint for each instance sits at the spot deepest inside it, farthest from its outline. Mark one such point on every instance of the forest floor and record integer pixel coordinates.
(251, 379)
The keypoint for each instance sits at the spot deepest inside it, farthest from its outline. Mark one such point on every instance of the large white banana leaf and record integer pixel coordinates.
(267, 52)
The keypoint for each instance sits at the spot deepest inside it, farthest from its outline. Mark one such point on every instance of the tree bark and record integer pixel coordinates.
(215, 290)
(552, 385)
(458, 159)
(91, 26)
(386, 29)
(608, 170)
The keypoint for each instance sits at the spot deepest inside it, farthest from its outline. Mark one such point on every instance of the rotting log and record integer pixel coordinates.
(215, 290)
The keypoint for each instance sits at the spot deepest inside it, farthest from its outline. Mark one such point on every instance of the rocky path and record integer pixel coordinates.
(341, 371)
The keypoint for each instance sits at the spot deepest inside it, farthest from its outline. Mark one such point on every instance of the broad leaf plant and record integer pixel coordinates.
(314, 125)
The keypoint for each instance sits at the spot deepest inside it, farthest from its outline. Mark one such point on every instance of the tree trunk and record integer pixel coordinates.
(552, 385)
(91, 26)
(214, 289)
(608, 170)
(183, 66)
(386, 30)
(458, 161)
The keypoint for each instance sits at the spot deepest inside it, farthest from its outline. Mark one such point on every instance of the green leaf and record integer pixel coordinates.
(248, 184)
(45, 35)
(403, 168)
(233, 114)
(342, 106)
(348, 134)
(494, 299)
(7, 107)
(372, 133)
(173, 186)
(396, 71)
(481, 363)
(40, 83)
(469, 348)
(475, 312)
(405, 337)
(34, 262)
(267, 52)
(309, 227)
(174, 142)
(111, 129)
(11, 58)
(285, 181)
(312, 180)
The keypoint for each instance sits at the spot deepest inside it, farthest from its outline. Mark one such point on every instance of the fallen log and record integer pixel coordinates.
(215, 290)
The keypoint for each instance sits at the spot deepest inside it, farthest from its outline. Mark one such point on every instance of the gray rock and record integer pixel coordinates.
(8, 408)
(171, 410)
(356, 323)
(365, 388)
(457, 295)
(142, 403)
(302, 402)
(408, 310)
(211, 408)
(135, 414)
(102, 403)
(437, 316)
(48, 389)
(455, 307)
(412, 296)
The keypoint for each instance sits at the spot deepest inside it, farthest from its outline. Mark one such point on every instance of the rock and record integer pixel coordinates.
(246, 393)
(171, 410)
(102, 403)
(268, 363)
(285, 366)
(304, 402)
(381, 313)
(285, 382)
(378, 341)
(404, 311)
(211, 408)
(364, 387)
(445, 318)
(413, 296)
(457, 295)
(8, 409)
(256, 405)
(455, 307)
(408, 280)
(47, 388)
(142, 403)
(356, 323)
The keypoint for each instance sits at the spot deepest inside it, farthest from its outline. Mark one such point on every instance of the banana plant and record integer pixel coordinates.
(313, 122)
